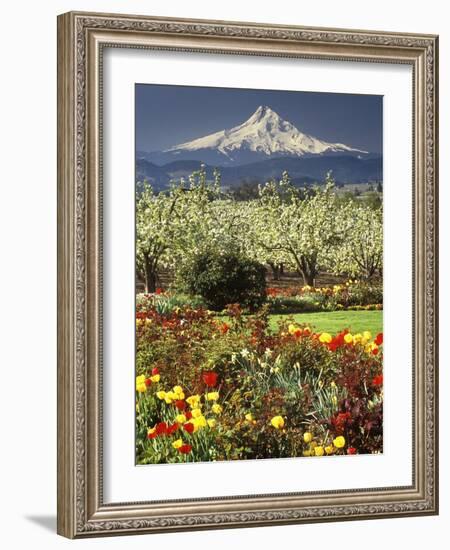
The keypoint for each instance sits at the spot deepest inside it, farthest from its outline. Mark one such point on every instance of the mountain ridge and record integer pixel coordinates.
(262, 136)
(303, 170)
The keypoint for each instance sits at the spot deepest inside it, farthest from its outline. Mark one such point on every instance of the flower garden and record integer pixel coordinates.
(237, 362)
(209, 390)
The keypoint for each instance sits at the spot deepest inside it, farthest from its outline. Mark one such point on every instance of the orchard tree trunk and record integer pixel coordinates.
(149, 275)
(308, 270)
(277, 270)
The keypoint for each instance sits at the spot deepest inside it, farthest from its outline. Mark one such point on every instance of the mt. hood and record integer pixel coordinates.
(264, 135)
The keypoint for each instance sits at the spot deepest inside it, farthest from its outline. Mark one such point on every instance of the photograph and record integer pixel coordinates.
(258, 274)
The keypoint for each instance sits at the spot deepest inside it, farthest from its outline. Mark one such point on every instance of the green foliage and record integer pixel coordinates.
(296, 304)
(227, 278)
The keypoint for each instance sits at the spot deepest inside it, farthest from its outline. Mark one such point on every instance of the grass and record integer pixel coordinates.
(335, 321)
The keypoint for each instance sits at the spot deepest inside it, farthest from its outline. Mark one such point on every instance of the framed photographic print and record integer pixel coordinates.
(247, 282)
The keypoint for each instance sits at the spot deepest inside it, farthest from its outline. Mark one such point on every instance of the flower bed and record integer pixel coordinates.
(208, 390)
(353, 295)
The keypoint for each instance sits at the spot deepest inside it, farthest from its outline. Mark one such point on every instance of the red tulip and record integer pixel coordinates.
(180, 405)
(377, 380)
(172, 428)
(189, 427)
(148, 382)
(185, 449)
(351, 451)
(155, 371)
(209, 378)
(161, 428)
(379, 339)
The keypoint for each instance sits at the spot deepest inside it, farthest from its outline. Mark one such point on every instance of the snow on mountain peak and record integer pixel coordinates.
(265, 132)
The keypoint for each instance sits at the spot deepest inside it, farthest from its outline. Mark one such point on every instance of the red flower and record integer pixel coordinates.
(185, 449)
(340, 420)
(351, 451)
(224, 328)
(172, 428)
(180, 405)
(148, 382)
(379, 339)
(161, 428)
(377, 380)
(189, 427)
(188, 415)
(209, 378)
(152, 435)
(375, 351)
(159, 291)
(155, 371)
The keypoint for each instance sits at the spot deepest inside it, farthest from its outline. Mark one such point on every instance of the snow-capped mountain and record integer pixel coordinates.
(264, 135)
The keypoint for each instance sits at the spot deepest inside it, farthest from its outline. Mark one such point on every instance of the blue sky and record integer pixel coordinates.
(167, 115)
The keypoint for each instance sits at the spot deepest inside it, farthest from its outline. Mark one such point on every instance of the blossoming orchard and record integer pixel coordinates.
(258, 323)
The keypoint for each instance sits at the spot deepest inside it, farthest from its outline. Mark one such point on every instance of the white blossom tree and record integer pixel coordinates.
(306, 230)
(361, 254)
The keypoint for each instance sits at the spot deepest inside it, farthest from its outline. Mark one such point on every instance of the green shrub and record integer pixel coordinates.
(222, 279)
(359, 294)
(296, 304)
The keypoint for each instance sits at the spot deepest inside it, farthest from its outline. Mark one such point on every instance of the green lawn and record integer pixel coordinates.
(335, 321)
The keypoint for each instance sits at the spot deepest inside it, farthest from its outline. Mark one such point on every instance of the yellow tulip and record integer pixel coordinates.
(318, 451)
(292, 329)
(339, 441)
(199, 422)
(369, 348)
(140, 384)
(348, 338)
(155, 378)
(161, 395)
(325, 338)
(211, 422)
(212, 396)
(329, 449)
(249, 417)
(277, 422)
(307, 437)
(196, 413)
(180, 418)
(193, 401)
(177, 443)
(216, 408)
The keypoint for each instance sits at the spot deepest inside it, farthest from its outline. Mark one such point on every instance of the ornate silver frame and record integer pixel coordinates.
(81, 38)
